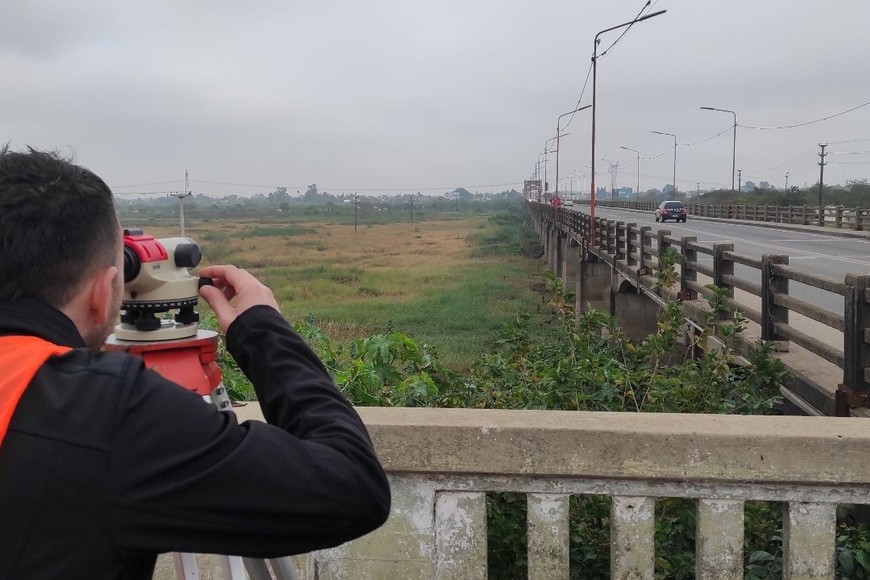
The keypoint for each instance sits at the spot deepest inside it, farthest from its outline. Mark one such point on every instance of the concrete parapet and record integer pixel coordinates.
(441, 462)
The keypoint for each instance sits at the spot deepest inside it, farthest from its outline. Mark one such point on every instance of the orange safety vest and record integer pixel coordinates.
(20, 359)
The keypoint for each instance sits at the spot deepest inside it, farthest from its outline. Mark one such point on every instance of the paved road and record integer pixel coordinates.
(811, 249)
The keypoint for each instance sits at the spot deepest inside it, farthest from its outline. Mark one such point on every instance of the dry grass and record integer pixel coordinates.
(422, 278)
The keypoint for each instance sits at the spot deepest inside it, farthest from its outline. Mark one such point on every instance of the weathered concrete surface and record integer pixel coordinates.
(637, 315)
(548, 550)
(437, 525)
(652, 446)
(570, 265)
(719, 531)
(809, 540)
(593, 286)
(460, 535)
(632, 545)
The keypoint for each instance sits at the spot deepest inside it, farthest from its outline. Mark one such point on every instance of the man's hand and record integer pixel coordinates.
(230, 282)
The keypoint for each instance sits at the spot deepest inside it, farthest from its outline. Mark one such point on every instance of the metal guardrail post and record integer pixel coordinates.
(687, 274)
(856, 350)
(771, 312)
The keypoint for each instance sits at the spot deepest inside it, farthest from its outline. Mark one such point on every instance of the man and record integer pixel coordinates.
(103, 463)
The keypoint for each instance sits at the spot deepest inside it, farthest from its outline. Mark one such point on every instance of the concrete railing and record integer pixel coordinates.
(443, 462)
(636, 253)
(854, 218)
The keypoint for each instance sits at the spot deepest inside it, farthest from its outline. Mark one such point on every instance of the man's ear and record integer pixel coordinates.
(100, 297)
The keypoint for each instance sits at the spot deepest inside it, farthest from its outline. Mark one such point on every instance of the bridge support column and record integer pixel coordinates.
(569, 265)
(559, 255)
(637, 314)
(593, 287)
(549, 236)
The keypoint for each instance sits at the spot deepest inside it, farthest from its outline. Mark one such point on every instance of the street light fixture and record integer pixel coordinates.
(675, 156)
(594, 75)
(558, 132)
(638, 170)
(734, 150)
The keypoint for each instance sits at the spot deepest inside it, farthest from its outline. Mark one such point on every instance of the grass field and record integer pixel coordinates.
(451, 283)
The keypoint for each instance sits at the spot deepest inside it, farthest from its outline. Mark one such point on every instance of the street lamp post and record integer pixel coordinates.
(546, 150)
(594, 84)
(675, 155)
(558, 134)
(638, 170)
(734, 149)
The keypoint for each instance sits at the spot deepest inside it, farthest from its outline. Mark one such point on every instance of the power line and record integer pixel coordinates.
(145, 184)
(589, 71)
(726, 130)
(624, 32)
(580, 98)
(807, 122)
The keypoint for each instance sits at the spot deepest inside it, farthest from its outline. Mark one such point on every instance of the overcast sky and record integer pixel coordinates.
(408, 95)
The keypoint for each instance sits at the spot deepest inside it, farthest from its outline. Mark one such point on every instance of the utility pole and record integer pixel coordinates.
(739, 180)
(786, 180)
(822, 164)
(355, 205)
(614, 169)
(181, 196)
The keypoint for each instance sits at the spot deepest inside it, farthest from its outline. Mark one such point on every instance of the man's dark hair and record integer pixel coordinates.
(57, 225)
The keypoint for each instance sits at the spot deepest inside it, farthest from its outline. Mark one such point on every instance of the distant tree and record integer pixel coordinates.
(284, 207)
(311, 193)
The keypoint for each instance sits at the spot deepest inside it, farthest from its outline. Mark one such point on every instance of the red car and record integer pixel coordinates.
(671, 210)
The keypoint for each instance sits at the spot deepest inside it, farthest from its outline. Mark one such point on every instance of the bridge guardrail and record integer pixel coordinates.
(854, 218)
(630, 250)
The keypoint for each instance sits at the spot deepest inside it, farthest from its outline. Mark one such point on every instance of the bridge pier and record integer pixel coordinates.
(559, 253)
(552, 242)
(570, 265)
(637, 314)
(593, 287)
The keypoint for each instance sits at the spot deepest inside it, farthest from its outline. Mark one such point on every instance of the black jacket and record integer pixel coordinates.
(106, 464)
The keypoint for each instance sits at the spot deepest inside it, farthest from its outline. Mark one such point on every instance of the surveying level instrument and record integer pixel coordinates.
(159, 323)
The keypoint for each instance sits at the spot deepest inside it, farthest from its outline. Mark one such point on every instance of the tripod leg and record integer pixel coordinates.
(284, 568)
(185, 567)
(233, 568)
(257, 569)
